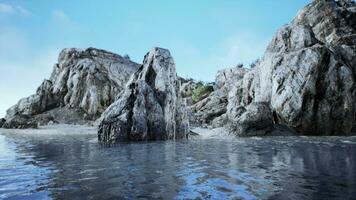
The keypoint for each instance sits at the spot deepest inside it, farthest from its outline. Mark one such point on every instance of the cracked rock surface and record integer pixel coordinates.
(150, 107)
(307, 74)
(86, 81)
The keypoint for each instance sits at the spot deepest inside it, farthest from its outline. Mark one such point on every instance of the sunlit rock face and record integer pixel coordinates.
(84, 80)
(150, 107)
(226, 78)
(307, 72)
(253, 120)
(211, 110)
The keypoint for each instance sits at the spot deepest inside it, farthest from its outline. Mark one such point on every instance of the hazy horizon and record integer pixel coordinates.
(202, 37)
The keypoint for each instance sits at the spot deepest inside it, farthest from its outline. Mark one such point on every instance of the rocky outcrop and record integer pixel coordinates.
(253, 120)
(227, 78)
(150, 107)
(84, 80)
(211, 110)
(211, 107)
(41, 101)
(20, 122)
(307, 74)
(2, 122)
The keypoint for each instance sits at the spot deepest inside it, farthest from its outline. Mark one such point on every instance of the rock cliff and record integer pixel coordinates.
(307, 74)
(83, 82)
(150, 107)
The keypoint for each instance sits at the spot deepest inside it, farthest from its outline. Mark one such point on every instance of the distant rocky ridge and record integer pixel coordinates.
(82, 85)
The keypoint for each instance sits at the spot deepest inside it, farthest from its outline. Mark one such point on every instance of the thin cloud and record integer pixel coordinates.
(22, 10)
(243, 48)
(9, 9)
(5, 8)
(60, 16)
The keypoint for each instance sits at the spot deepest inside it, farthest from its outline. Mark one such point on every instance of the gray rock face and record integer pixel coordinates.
(20, 122)
(150, 107)
(307, 74)
(333, 22)
(86, 80)
(253, 120)
(227, 78)
(211, 110)
(41, 101)
(211, 107)
(2, 122)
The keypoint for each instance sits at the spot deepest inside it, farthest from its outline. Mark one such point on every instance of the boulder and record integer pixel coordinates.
(253, 120)
(43, 119)
(20, 122)
(211, 107)
(219, 121)
(150, 107)
(65, 115)
(2, 122)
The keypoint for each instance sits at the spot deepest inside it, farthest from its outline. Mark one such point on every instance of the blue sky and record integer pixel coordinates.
(202, 35)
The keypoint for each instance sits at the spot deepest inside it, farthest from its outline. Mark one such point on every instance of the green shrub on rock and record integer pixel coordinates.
(201, 91)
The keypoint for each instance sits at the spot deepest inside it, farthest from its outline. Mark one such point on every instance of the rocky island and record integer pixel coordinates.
(304, 82)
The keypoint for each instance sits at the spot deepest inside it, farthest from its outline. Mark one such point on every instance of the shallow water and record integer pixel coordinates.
(74, 166)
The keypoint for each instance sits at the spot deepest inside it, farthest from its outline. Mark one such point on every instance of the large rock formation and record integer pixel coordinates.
(307, 74)
(85, 82)
(150, 107)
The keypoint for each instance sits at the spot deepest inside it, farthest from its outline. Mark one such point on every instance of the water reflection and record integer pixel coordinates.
(76, 167)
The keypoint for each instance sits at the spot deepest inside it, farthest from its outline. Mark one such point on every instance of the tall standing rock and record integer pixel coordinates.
(150, 107)
(307, 74)
(85, 82)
